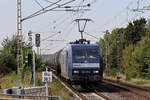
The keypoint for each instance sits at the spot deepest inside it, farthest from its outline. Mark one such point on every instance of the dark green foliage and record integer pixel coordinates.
(8, 56)
(134, 31)
(39, 82)
(10, 45)
(39, 64)
(113, 49)
(137, 63)
(113, 72)
(7, 63)
(134, 51)
(102, 44)
(141, 56)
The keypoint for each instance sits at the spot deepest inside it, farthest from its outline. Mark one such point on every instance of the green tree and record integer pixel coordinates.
(8, 56)
(141, 58)
(103, 46)
(133, 48)
(127, 62)
(148, 29)
(134, 31)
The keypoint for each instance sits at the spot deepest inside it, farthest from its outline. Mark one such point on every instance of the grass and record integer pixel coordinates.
(12, 80)
(59, 90)
(140, 82)
(56, 88)
(134, 81)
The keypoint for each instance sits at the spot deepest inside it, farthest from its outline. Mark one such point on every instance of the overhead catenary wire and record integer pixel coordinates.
(115, 16)
(79, 9)
(46, 9)
(73, 11)
(50, 36)
(50, 2)
(42, 11)
(92, 35)
(137, 15)
(56, 44)
(48, 45)
(39, 4)
(37, 12)
(67, 28)
(130, 19)
(70, 30)
(67, 32)
(59, 7)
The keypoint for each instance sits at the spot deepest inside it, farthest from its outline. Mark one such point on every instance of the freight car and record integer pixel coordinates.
(79, 63)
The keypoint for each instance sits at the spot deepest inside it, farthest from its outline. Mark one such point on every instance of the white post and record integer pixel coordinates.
(34, 67)
(38, 52)
(46, 86)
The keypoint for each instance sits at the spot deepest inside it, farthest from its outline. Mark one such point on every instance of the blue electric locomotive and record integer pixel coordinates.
(79, 63)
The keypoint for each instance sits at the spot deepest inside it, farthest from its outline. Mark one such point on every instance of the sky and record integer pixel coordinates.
(105, 15)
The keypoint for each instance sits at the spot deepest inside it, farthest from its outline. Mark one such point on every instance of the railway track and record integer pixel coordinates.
(93, 96)
(109, 90)
(128, 85)
(102, 95)
(128, 91)
(82, 95)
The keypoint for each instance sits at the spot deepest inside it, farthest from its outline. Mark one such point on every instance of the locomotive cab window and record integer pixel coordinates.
(92, 53)
(78, 53)
(82, 53)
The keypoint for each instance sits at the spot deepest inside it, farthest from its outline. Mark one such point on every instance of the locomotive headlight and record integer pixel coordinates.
(75, 71)
(96, 71)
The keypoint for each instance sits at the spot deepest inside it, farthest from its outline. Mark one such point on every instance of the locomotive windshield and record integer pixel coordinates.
(82, 53)
(92, 53)
(78, 53)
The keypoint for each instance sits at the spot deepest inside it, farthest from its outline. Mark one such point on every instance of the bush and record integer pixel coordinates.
(7, 63)
(39, 64)
(113, 72)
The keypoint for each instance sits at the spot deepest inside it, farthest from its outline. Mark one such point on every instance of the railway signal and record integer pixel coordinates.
(37, 40)
(29, 60)
(30, 39)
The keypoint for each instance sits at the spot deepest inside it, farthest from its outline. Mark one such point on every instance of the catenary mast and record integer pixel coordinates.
(19, 40)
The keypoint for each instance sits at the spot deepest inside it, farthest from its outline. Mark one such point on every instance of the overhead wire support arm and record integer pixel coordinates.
(42, 11)
(138, 9)
(30, 16)
(88, 5)
(73, 10)
(141, 9)
(57, 40)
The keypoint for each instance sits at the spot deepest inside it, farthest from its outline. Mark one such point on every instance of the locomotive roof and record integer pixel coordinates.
(84, 45)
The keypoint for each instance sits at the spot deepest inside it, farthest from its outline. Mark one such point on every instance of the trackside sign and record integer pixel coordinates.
(47, 76)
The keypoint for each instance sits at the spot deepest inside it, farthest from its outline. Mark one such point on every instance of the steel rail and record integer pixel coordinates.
(138, 91)
(102, 95)
(69, 87)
